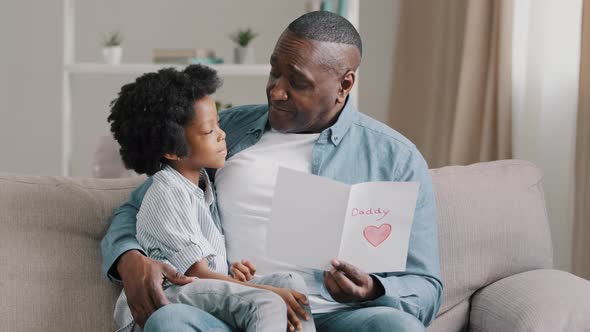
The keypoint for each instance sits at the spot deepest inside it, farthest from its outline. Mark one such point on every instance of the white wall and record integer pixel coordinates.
(545, 74)
(378, 28)
(30, 125)
(30, 90)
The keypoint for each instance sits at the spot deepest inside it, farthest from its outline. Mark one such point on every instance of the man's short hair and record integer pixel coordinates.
(327, 27)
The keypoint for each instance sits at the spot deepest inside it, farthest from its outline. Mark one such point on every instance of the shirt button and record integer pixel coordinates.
(257, 134)
(335, 138)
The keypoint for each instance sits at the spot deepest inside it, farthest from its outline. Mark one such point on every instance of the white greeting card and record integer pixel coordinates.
(315, 219)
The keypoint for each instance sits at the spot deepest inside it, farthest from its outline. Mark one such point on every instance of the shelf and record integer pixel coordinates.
(72, 68)
(140, 68)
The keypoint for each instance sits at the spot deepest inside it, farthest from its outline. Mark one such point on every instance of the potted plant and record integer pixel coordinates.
(221, 106)
(243, 52)
(112, 50)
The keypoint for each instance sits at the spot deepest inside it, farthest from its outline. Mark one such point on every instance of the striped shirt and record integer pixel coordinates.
(174, 223)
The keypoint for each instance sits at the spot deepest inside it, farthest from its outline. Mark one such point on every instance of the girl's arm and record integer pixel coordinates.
(201, 270)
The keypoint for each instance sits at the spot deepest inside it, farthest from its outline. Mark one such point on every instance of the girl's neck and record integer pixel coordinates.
(192, 175)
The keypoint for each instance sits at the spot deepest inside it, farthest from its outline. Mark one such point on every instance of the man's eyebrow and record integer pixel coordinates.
(298, 73)
(274, 59)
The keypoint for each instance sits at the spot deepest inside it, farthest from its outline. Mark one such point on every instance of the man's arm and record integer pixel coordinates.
(120, 236)
(124, 260)
(418, 290)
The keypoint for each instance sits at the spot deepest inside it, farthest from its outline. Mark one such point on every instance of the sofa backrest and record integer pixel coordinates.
(492, 224)
(50, 254)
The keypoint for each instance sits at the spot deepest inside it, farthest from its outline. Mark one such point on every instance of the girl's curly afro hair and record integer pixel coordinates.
(149, 115)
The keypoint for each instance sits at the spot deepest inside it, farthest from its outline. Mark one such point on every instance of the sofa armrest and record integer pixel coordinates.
(538, 300)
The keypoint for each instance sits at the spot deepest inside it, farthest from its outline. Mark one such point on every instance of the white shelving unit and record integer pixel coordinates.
(71, 67)
(140, 68)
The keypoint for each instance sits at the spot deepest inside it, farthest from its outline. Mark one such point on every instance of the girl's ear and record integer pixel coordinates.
(171, 156)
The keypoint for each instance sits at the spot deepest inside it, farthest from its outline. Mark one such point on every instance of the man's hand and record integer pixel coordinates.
(294, 300)
(243, 271)
(142, 279)
(346, 283)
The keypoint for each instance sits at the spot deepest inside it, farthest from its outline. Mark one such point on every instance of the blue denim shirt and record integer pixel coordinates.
(355, 149)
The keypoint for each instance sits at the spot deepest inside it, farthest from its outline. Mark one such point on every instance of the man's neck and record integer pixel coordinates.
(326, 122)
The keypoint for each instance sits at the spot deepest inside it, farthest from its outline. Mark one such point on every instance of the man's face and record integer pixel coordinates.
(302, 93)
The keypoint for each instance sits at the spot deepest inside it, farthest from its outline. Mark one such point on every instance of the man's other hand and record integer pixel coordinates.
(346, 283)
(142, 280)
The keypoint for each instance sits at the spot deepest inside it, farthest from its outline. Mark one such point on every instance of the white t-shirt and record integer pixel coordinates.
(245, 188)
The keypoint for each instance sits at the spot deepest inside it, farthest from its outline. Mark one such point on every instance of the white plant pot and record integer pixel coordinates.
(112, 55)
(244, 55)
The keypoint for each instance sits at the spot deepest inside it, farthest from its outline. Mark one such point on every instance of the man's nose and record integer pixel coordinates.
(278, 91)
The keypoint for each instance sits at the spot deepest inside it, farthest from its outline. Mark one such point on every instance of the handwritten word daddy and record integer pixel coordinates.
(379, 212)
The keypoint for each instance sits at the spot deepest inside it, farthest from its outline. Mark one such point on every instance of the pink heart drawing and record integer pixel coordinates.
(376, 235)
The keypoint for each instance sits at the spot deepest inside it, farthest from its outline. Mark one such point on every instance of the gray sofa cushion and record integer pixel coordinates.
(540, 300)
(492, 224)
(49, 252)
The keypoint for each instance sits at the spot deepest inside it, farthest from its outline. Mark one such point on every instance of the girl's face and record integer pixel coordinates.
(204, 137)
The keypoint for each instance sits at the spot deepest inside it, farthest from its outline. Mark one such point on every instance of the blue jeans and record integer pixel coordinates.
(186, 318)
(374, 319)
(183, 318)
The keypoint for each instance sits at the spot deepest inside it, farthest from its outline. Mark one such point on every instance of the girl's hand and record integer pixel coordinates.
(294, 300)
(243, 271)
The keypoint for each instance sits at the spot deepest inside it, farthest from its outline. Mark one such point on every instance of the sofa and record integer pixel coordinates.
(494, 239)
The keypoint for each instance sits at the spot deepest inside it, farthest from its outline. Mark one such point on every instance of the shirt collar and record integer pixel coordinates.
(206, 195)
(345, 119)
(261, 126)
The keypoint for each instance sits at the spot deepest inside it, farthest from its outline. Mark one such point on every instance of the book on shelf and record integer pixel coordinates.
(188, 61)
(179, 52)
(185, 56)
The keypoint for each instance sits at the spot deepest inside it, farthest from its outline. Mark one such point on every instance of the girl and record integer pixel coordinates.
(167, 126)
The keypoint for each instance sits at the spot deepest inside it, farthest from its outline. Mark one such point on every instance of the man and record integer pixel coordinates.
(310, 125)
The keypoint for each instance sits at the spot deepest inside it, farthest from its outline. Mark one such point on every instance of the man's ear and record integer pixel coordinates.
(171, 156)
(346, 85)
